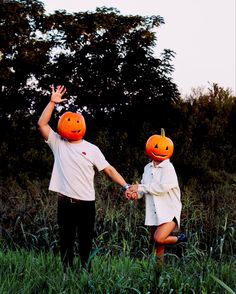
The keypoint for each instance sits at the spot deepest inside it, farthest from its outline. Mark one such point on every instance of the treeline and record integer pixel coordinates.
(201, 127)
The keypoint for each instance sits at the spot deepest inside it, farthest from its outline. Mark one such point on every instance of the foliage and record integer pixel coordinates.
(105, 59)
(206, 134)
(28, 218)
(23, 53)
(28, 272)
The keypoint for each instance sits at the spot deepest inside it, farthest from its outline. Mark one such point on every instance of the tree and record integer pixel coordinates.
(23, 52)
(105, 59)
(108, 62)
(205, 134)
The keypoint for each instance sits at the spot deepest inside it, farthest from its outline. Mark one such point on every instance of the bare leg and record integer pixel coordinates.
(162, 237)
(160, 250)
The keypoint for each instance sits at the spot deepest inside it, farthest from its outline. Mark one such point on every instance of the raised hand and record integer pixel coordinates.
(56, 96)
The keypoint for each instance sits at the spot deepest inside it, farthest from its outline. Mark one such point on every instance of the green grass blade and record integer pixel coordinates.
(223, 285)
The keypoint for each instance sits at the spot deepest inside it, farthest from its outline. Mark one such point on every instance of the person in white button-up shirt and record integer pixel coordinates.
(160, 187)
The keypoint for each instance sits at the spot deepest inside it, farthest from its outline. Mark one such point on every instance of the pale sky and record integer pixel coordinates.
(201, 32)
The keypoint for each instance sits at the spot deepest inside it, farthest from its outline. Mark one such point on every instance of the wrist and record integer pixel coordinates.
(125, 187)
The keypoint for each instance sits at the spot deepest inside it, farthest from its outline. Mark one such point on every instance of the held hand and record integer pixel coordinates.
(133, 188)
(132, 192)
(131, 195)
(56, 95)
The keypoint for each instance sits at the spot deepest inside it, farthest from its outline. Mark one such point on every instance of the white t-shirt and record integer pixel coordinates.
(160, 186)
(73, 169)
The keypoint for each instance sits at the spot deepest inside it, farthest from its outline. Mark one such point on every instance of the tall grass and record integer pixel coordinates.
(122, 261)
(24, 271)
(28, 217)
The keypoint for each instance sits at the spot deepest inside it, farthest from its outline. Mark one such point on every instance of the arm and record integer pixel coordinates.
(117, 178)
(45, 117)
(167, 182)
(157, 188)
(111, 172)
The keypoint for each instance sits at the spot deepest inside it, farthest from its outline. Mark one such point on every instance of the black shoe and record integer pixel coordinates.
(182, 238)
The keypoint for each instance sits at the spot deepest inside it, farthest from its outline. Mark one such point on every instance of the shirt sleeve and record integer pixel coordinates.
(99, 160)
(167, 182)
(141, 193)
(53, 140)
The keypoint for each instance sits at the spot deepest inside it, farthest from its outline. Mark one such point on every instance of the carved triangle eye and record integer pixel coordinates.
(156, 146)
(167, 148)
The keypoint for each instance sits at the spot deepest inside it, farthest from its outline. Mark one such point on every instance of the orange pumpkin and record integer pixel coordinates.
(71, 126)
(159, 147)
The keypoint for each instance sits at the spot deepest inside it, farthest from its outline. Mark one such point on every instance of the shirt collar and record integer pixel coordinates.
(162, 164)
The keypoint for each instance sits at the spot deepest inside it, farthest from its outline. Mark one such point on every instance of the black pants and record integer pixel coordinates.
(75, 218)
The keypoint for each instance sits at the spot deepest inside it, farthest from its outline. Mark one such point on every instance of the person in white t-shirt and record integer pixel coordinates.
(73, 180)
(159, 185)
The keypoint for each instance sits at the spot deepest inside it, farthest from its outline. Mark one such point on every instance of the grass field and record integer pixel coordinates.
(121, 260)
(196, 271)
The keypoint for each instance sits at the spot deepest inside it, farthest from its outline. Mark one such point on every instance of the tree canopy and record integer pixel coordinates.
(105, 59)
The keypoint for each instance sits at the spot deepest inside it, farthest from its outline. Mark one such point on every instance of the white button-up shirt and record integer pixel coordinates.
(160, 186)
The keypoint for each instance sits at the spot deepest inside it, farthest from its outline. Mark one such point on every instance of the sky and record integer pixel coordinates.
(201, 33)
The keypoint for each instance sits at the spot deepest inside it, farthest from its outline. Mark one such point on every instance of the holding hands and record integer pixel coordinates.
(132, 192)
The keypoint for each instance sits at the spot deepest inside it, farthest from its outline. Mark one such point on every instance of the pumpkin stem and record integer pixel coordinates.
(162, 132)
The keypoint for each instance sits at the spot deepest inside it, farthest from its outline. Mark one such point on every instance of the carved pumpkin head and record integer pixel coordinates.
(159, 147)
(71, 126)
